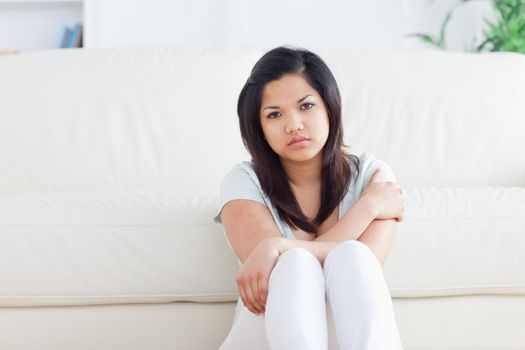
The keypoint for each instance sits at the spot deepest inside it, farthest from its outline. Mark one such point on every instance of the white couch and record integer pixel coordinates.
(111, 159)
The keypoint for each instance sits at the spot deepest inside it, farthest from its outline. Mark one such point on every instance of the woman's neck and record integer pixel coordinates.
(304, 175)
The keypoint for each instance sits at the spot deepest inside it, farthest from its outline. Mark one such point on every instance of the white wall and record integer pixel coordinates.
(245, 23)
(309, 23)
(36, 25)
(467, 21)
(29, 26)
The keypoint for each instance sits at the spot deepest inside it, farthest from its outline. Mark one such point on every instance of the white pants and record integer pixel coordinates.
(303, 296)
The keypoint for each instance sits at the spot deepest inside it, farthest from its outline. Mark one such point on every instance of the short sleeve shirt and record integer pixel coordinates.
(241, 182)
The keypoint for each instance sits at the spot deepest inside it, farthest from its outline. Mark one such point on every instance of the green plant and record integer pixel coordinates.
(507, 33)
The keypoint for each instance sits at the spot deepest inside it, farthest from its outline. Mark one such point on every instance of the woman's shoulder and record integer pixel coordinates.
(368, 163)
(366, 158)
(240, 182)
(241, 176)
(245, 169)
(246, 165)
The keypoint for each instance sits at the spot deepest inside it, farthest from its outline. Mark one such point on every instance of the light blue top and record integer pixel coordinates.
(241, 182)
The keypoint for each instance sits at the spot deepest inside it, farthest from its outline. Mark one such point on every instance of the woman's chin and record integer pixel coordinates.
(299, 157)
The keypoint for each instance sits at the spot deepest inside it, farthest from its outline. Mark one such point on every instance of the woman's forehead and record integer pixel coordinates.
(290, 88)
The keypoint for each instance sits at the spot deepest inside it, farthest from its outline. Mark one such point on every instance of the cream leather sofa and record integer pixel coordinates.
(111, 159)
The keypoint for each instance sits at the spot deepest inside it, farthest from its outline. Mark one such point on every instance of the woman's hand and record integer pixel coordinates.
(253, 278)
(386, 198)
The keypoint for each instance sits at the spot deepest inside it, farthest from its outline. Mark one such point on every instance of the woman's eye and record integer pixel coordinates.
(273, 115)
(307, 105)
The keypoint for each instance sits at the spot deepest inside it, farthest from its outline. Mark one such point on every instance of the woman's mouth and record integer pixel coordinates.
(299, 144)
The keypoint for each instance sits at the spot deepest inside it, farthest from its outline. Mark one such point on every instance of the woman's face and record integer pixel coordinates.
(291, 107)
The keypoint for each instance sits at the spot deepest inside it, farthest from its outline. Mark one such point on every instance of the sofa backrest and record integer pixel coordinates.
(165, 118)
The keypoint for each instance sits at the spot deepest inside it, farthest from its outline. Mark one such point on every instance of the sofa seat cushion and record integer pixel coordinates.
(107, 247)
(459, 241)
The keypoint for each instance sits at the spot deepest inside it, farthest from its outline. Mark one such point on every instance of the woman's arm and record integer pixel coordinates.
(385, 203)
(380, 237)
(358, 223)
(353, 223)
(255, 273)
(351, 226)
(318, 249)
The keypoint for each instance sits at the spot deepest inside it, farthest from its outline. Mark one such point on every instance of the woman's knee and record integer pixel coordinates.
(298, 259)
(349, 250)
(298, 254)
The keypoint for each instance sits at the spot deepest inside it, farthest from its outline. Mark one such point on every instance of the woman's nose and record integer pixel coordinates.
(294, 123)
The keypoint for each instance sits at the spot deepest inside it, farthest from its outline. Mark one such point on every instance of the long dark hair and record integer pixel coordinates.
(336, 172)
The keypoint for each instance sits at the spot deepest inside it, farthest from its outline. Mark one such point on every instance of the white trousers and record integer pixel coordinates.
(303, 296)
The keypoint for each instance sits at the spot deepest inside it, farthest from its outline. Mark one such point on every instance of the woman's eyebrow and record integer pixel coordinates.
(276, 107)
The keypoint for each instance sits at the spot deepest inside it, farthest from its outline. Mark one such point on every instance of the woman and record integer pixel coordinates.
(310, 224)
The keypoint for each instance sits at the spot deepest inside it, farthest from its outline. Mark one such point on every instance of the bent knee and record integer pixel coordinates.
(350, 249)
(298, 253)
(299, 259)
(299, 263)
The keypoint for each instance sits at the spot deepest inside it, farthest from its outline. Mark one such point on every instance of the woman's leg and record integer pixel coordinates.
(295, 314)
(247, 332)
(359, 298)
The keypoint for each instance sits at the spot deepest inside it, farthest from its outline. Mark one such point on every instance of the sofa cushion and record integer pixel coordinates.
(80, 248)
(459, 241)
(112, 247)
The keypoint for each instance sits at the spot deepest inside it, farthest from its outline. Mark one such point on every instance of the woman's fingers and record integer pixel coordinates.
(245, 298)
(251, 304)
(255, 296)
(253, 307)
(263, 290)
